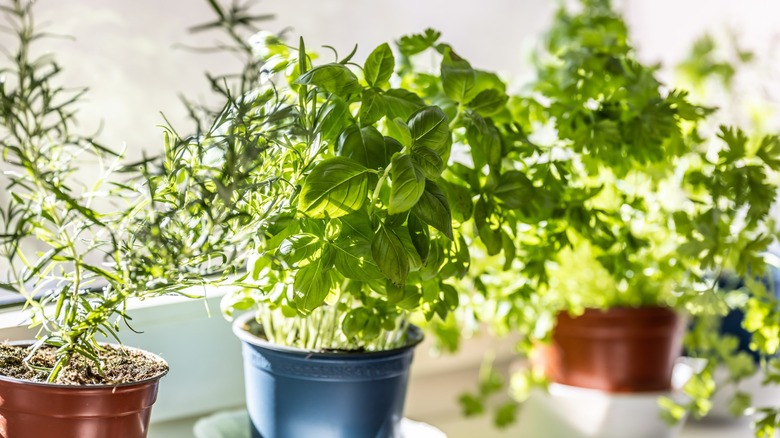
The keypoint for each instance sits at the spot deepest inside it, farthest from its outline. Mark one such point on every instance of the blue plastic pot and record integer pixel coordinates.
(293, 393)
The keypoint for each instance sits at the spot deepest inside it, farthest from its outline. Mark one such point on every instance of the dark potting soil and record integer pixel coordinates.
(119, 366)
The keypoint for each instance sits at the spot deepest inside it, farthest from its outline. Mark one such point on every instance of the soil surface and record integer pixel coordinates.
(119, 366)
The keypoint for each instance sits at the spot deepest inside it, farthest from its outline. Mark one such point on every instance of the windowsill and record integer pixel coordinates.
(207, 373)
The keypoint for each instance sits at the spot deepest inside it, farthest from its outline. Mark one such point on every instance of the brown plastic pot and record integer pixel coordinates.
(43, 410)
(617, 350)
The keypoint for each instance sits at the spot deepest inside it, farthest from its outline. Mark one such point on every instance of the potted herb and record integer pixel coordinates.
(722, 73)
(81, 247)
(660, 209)
(354, 234)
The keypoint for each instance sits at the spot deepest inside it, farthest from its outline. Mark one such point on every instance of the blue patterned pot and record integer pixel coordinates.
(293, 393)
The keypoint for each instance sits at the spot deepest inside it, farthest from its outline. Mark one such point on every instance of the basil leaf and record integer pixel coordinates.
(372, 108)
(434, 210)
(408, 184)
(415, 262)
(449, 296)
(411, 298)
(401, 103)
(332, 118)
(357, 224)
(435, 260)
(514, 189)
(354, 321)
(460, 199)
(510, 251)
(390, 255)
(429, 161)
(393, 293)
(335, 187)
(379, 66)
(334, 78)
(354, 260)
(488, 80)
(421, 239)
(484, 141)
(429, 128)
(313, 283)
(392, 146)
(490, 236)
(364, 145)
(399, 130)
(457, 77)
(488, 102)
(299, 250)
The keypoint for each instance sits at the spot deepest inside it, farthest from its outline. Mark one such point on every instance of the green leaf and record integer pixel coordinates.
(486, 230)
(400, 131)
(372, 107)
(457, 77)
(769, 151)
(408, 184)
(510, 251)
(429, 161)
(514, 189)
(335, 78)
(736, 140)
(354, 321)
(357, 224)
(488, 102)
(471, 405)
(335, 187)
(392, 147)
(434, 210)
(390, 255)
(449, 296)
(365, 145)
(299, 250)
(401, 103)
(415, 262)
(739, 404)
(354, 260)
(332, 118)
(421, 239)
(460, 199)
(429, 128)
(313, 283)
(379, 66)
(411, 298)
(410, 45)
(484, 141)
(506, 414)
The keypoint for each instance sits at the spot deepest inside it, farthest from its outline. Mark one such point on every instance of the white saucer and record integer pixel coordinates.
(572, 412)
(233, 424)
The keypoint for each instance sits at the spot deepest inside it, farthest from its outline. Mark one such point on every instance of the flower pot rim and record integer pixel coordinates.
(90, 385)
(415, 337)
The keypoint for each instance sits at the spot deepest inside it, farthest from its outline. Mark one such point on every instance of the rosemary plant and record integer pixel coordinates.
(79, 247)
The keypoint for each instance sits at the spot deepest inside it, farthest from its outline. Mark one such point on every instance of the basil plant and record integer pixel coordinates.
(357, 231)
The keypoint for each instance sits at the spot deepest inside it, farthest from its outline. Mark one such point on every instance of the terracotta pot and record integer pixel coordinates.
(617, 350)
(32, 410)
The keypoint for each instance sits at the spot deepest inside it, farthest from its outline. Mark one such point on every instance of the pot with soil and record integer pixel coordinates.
(292, 392)
(78, 246)
(355, 238)
(83, 402)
